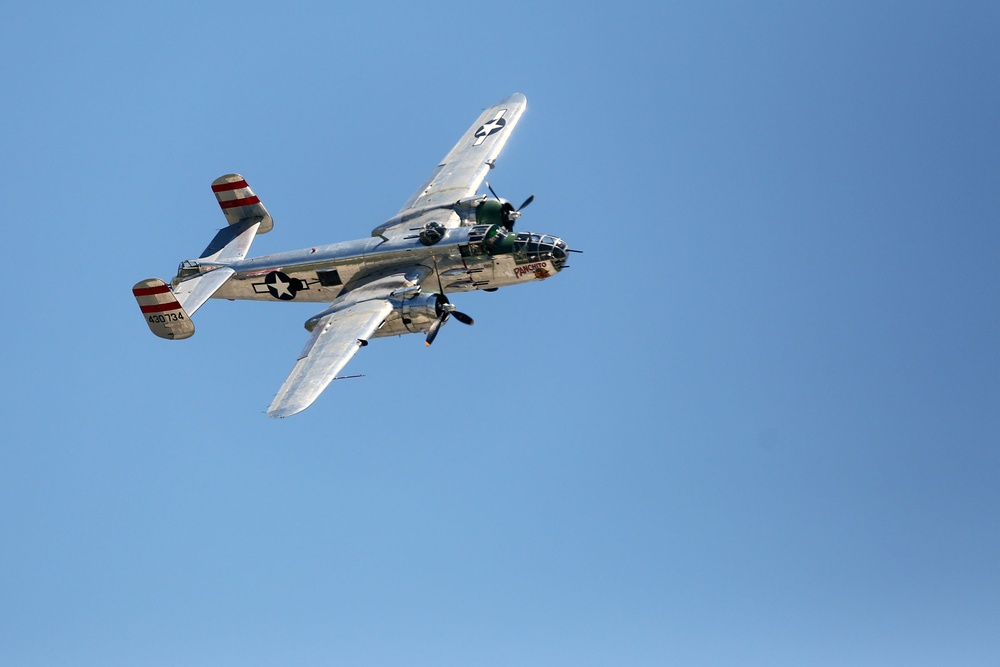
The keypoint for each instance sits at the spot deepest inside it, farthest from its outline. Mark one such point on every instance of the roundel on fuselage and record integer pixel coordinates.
(282, 286)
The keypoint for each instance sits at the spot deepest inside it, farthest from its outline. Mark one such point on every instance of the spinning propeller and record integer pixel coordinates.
(510, 214)
(445, 309)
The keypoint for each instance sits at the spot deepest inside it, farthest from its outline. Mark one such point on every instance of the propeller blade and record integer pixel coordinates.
(462, 317)
(488, 187)
(433, 332)
(444, 308)
(526, 202)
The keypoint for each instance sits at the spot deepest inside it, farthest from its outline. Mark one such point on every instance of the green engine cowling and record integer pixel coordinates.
(489, 212)
(495, 212)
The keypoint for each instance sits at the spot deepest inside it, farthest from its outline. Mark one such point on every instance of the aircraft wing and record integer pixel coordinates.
(334, 341)
(338, 333)
(462, 170)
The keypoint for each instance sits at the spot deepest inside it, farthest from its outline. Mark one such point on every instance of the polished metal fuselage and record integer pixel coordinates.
(322, 273)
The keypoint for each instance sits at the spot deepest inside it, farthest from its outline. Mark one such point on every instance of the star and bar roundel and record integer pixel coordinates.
(491, 126)
(280, 286)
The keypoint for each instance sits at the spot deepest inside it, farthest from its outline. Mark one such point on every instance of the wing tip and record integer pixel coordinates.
(282, 411)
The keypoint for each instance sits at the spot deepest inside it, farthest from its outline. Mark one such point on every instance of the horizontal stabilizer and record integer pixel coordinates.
(163, 312)
(239, 203)
(194, 292)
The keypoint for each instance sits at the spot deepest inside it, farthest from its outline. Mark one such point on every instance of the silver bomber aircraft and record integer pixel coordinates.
(445, 239)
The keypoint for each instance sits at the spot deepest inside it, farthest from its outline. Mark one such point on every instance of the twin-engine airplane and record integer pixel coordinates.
(445, 239)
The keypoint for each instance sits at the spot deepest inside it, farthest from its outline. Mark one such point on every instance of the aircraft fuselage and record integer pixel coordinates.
(463, 259)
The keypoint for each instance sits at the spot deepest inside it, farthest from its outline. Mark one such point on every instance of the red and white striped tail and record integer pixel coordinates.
(164, 314)
(239, 202)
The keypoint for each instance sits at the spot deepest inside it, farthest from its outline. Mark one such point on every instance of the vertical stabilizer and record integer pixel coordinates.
(163, 312)
(239, 203)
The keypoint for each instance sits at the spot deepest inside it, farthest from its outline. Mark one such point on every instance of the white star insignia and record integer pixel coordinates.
(280, 287)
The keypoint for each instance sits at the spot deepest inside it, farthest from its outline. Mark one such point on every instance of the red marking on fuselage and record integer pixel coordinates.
(530, 268)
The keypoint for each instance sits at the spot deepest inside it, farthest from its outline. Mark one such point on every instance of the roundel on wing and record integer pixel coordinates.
(281, 286)
(492, 127)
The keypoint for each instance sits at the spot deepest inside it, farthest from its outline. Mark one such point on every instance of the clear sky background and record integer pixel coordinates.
(756, 423)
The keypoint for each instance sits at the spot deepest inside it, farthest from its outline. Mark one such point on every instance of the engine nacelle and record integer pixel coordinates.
(413, 315)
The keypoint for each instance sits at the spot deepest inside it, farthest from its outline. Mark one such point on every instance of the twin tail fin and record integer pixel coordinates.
(168, 312)
(164, 314)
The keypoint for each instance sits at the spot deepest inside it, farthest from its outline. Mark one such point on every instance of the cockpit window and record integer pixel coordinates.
(530, 247)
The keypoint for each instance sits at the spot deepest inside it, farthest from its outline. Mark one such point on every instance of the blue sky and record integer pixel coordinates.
(755, 423)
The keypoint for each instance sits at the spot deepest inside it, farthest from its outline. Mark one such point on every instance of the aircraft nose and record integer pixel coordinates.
(529, 247)
(559, 254)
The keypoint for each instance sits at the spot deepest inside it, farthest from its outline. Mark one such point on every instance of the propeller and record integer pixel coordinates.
(510, 213)
(445, 309)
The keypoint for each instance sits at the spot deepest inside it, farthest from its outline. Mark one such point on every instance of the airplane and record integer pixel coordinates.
(447, 238)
